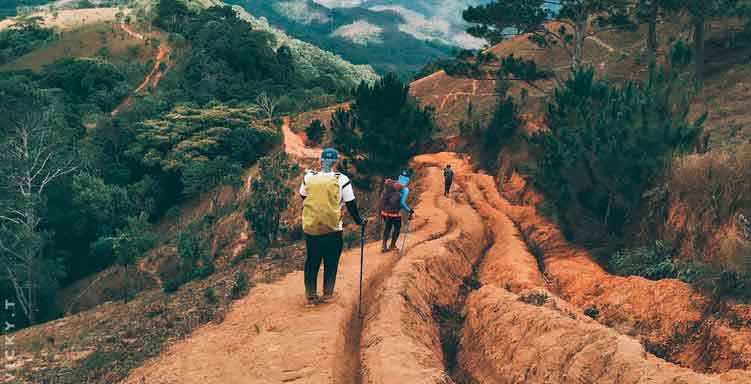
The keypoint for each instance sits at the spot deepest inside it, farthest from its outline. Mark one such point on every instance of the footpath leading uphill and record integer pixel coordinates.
(153, 77)
(468, 303)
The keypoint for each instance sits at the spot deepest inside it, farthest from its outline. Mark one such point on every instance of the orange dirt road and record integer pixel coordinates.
(519, 318)
(270, 337)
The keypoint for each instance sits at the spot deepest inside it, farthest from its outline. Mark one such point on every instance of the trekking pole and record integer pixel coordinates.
(404, 240)
(362, 266)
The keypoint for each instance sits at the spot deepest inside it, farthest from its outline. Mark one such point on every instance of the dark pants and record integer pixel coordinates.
(326, 248)
(446, 186)
(394, 223)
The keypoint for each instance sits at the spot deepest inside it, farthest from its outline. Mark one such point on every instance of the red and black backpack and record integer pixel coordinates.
(391, 198)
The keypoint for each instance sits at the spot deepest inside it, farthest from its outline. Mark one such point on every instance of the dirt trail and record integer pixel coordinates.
(154, 76)
(270, 337)
(510, 339)
(468, 303)
(294, 144)
(400, 341)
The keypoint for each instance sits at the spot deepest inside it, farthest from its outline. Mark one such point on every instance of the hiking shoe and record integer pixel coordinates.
(327, 298)
(312, 302)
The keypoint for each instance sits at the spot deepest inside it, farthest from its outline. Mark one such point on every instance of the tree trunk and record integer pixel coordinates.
(652, 34)
(580, 33)
(699, 44)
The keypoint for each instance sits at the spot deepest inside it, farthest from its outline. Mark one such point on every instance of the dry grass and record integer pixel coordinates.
(88, 42)
(717, 184)
(67, 20)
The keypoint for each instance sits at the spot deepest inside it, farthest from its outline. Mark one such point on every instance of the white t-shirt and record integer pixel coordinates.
(345, 186)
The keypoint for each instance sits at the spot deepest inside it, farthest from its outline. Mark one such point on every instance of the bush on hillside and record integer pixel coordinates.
(314, 131)
(711, 193)
(717, 184)
(653, 262)
(607, 146)
(501, 129)
(270, 197)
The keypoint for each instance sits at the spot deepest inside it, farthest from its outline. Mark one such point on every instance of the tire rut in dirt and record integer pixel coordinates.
(402, 334)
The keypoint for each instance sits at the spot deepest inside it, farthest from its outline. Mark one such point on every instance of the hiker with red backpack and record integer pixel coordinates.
(393, 201)
(324, 195)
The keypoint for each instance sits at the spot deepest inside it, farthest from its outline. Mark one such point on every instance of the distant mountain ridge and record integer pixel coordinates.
(311, 60)
(399, 36)
(425, 19)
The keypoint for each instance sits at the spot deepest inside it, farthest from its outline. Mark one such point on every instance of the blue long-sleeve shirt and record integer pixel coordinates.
(403, 180)
(403, 199)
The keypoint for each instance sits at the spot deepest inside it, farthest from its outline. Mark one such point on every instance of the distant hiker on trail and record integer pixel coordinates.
(448, 178)
(393, 200)
(324, 194)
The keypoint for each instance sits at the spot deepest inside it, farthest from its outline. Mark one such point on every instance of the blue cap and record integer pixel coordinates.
(329, 154)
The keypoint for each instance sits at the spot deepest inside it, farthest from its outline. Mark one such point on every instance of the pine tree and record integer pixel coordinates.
(579, 20)
(607, 145)
(384, 128)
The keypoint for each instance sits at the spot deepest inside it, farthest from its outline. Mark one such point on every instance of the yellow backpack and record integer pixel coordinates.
(321, 211)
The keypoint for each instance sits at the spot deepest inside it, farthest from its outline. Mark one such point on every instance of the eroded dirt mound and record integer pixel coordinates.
(510, 341)
(672, 319)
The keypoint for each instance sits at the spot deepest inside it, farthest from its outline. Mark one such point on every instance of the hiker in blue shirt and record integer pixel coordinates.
(393, 201)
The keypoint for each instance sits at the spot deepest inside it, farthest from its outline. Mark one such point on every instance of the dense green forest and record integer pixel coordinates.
(92, 194)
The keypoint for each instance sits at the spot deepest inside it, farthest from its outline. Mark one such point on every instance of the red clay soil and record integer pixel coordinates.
(294, 145)
(506, 340)
(400, 339)
(508, 260)
(672, 319)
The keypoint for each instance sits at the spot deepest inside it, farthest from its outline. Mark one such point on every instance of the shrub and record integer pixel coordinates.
(591, 312)
(503, 126)
(210, 295)
(173, 285)
(246, 253)
(315, 131)
(536, 297)
(606, 146)
(715, 280)
(270, 197)
(652, 262)
(241, 284)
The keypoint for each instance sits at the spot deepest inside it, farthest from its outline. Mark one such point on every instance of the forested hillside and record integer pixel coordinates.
(359, 35)
(82, 147)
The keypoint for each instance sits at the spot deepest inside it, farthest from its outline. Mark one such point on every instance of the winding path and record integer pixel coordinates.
(468, 255)
(153, 77)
